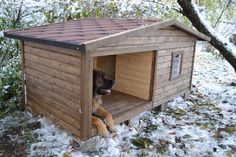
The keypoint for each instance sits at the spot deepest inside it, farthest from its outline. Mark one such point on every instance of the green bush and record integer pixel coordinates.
(11, 88)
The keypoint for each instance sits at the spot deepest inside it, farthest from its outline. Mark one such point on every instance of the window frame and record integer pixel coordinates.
(181, 53)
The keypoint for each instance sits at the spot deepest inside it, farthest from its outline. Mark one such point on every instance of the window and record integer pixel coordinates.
(176, 65)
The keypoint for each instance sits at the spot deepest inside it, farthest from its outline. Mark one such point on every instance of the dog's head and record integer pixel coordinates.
(101, 84)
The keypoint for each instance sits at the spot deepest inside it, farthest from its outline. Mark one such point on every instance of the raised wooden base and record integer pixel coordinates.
(123, 106)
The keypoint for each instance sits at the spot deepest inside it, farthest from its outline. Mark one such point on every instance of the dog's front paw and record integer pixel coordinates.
(112, 129)
(102, 130)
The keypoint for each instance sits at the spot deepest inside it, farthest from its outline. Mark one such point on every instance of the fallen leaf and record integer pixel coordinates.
(218, 134)
(229, 130)
(66, 155)
(141, 142)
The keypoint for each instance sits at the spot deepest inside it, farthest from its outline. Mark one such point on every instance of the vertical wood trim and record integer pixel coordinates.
(156, 53)
(191, 77)
(23, 72)
(86, 96)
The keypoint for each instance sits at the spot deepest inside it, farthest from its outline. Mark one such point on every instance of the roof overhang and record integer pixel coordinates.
(79, 47)
(96, 43)
(92, 44)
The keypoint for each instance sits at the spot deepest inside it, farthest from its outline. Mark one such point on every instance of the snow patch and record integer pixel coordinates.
(1, 34)
(52, 141)
(228, 45)
(187, 128)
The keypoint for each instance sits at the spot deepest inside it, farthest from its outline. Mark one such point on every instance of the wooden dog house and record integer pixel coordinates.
(151, 61)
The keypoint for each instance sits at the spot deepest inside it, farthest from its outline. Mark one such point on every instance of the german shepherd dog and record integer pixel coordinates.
(101, 86)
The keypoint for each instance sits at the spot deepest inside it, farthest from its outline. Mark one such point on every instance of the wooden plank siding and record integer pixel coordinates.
(133, 74)
(53, 81)
(166, 89)
(86, 95)
(59, 81)
(164, 41)
(153, 40)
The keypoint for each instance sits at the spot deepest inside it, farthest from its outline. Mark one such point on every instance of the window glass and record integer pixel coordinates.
(176, 65)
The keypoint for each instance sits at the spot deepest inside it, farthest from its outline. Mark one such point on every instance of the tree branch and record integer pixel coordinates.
(222, 12)
(227, 49)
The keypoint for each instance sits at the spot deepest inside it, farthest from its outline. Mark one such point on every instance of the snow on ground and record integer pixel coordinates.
(204, 125)
(52, 141)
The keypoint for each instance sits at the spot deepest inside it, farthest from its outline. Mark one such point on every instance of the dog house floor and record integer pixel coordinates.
(123, 106)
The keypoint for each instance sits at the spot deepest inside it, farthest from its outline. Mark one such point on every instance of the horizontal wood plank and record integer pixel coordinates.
(54, 48)
(71, 60)
(168, 52)
(165, 33)
(53, 80)
(54, 111)
(165, 73)
(57, 98)
(186, 57)
(168, 88)
(185, 64)
(53, 72)
(164, 82)
(152, 40)
(158, 102)
(138, 48)
(58, 106)
(56, 89)
(121, 117)
(171, 92)
(53, 64)
(56, 120)
(123, 106)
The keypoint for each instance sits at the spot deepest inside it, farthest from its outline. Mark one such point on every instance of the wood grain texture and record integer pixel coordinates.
(138, 48)
(60, 80)
(57, 112)
(35, 106)
(52, 72)
(73, 104)
(166, 89)
(58, 106)
(149, 40)
(168, 98)
(123, 106)
(101, 42)
(86, 95)
(53, 81)
(134, 74)
(152, 40)
(54, 49)
(56, 81)
(66, 59)
(194, 52)
(23, 72)
(53, 64)
(107, 65)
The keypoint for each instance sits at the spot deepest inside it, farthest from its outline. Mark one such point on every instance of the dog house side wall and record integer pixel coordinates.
(165, 87)
(52, 77)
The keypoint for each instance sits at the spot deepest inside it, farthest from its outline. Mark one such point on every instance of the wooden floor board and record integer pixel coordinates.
(123, 106)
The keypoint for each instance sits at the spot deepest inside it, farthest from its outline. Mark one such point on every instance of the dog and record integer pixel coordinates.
(101, 86)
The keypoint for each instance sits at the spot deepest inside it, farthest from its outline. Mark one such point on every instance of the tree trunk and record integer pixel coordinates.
(190, 12)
